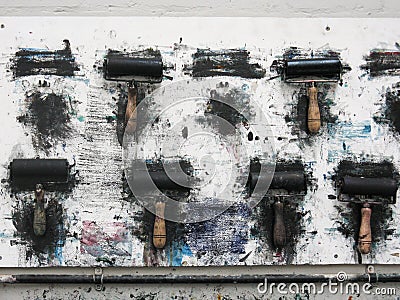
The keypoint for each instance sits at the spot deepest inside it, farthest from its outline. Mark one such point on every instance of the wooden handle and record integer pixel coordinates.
(314, 116)
(159, 233)
(130, 113)
(365, 235)
(39, 213)
(279, 226)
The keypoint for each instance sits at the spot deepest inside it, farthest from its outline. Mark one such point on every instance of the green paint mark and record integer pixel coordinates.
(81, 118)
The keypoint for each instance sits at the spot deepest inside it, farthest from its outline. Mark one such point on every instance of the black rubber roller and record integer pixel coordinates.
(120, 66)
(287, 180)
(314, 67)
(162, 180)
(381, 186)
(33, 171)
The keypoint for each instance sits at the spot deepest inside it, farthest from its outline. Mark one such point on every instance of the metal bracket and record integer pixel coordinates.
(98, 278)
(372, 275)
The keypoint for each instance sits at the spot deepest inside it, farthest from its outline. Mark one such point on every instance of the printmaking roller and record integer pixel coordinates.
(284, 185)
(368, 192)
(164, 182)
(311, 71)
(38, 175)
(122, 67)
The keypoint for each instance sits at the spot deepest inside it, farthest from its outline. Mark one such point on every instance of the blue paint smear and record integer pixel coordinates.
(58, 250)
(178, 250)
(367, 129)
(349, 130)
(225, 234)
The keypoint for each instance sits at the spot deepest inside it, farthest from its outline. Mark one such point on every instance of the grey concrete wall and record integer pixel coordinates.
(211, 8)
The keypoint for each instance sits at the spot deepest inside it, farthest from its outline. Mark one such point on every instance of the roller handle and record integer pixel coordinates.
(39, 213)
(130, 113)
(314, 116)
(159, 233)
(365, 235)
(279, 226)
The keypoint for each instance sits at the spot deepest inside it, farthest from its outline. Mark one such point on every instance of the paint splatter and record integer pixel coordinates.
(350, 214)
(48, 114)
(44, 62)
(229, 104)
(231, 62)
(382, 62)
(224, 234)
(53, 239)
(390, 110)
(106, 242)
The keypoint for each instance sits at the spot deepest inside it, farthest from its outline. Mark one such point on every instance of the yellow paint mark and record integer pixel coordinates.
(219, 297)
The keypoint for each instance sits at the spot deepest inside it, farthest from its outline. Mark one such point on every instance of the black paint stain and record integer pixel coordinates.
(230, 106)
(231, 62)
(48, 114)
(264, 224)
(299, 113)
(366, 169)
(145, 53)
(381, 216)
(390, 111)
(22, 217)
(44, 62)
(382, 62)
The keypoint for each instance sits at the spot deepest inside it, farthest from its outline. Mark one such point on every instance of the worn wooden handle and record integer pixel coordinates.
(130, 113)
(365, 235)
(279, 226)
(314, 116)
(39, 213)
(159, 233)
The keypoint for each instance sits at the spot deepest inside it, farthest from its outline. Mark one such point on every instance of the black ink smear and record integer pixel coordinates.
(231, 106)
(381, 216)
(263, 228)
(390, 111)
(231, 62)
(44, 62)
(49, 117)
(382, 62)
(22, 217)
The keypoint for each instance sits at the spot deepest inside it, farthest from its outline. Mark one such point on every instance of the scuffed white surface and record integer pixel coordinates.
(356, 101)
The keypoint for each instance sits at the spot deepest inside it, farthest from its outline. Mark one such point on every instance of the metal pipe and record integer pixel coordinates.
(188, 279)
